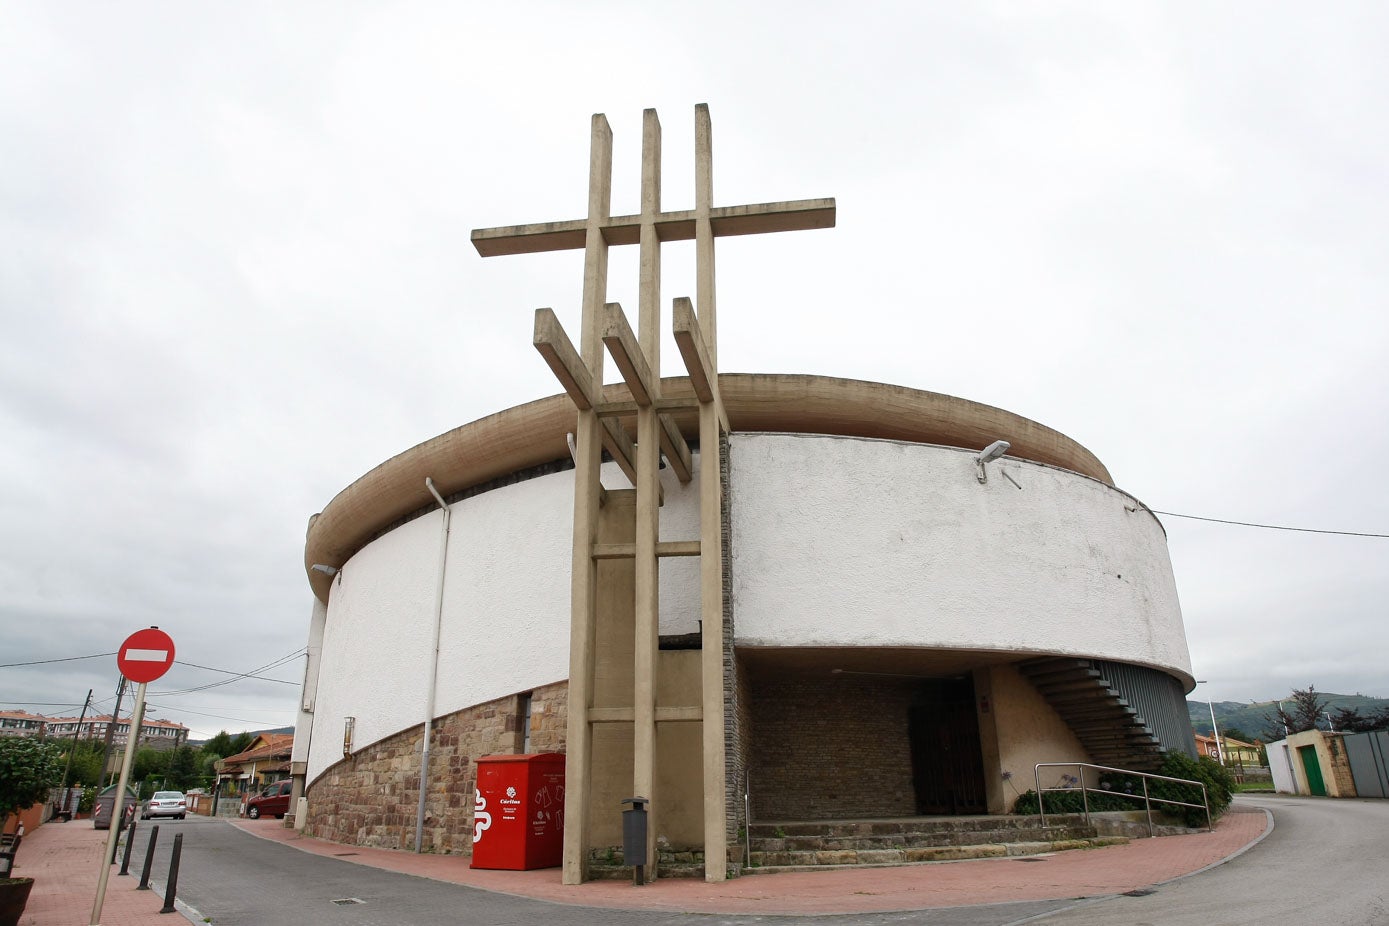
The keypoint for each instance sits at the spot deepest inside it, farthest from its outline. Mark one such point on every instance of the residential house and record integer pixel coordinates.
(1234, 753)
(1241, 755)
(266, 760)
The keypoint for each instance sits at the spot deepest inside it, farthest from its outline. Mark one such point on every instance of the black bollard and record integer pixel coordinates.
(129, 841)
(149, 859)
(172, 887)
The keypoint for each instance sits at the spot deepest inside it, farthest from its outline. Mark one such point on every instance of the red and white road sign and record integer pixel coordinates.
(146, 655)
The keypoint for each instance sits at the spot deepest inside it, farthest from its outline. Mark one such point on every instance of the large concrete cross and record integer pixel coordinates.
(599, 427)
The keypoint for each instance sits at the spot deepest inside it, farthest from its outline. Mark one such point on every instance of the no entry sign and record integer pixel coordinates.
(146, 655)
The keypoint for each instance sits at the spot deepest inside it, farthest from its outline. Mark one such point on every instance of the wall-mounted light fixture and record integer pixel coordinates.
(990, 453)
(349, 724)
(328, 571)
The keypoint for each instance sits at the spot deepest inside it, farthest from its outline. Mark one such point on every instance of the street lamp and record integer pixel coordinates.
(1215, 731)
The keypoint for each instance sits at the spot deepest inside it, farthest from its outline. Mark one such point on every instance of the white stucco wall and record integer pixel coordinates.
(1280, 766)
(303, 722)
(505, 622)
(857, 542)
(836, 542)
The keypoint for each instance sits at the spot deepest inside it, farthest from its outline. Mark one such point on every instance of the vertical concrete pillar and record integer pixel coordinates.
(588, 458)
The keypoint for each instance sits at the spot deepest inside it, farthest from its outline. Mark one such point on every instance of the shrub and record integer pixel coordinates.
(29, 769)
(1220, 785)
(1070, 801)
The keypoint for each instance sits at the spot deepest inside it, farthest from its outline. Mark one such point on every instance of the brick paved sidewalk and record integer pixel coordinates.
(1082, 873)
(64, 860)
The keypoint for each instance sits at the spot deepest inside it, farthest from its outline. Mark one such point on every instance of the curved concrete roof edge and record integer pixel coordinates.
(533, 434)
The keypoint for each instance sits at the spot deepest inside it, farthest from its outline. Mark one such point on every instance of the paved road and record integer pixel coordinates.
(235, 879)
(1324, 863)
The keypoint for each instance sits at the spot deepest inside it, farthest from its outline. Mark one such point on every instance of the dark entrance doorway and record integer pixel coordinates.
(947, 764)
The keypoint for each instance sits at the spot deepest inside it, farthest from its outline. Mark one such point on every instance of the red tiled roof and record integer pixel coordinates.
(276, 744)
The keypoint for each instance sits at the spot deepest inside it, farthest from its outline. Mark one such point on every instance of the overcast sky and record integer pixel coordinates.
(235, 275)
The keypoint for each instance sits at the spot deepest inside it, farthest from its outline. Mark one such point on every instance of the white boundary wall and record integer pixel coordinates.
(1280, 766)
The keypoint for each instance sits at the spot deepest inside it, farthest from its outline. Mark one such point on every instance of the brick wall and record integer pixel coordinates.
(827, 746)
(372, 798)
(1342, 780)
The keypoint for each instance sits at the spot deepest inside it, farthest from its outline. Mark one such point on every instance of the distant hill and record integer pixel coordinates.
(1259, 718)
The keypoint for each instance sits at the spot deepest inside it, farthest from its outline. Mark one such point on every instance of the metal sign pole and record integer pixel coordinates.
(137, 717)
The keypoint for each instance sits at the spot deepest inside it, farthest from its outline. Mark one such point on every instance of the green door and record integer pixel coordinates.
(1313, 770)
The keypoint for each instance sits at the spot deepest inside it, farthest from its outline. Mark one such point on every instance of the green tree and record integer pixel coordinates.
(184, 770)
(227, 744)
(1308, 708)
(149, 763)
(86, 761)
(1351, 720)
(1235, 733)
(29, 769)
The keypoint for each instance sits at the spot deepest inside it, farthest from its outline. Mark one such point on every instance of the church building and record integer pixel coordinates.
(743, 597)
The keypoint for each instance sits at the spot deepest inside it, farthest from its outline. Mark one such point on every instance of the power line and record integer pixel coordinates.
(238, 674)
(1271, 527)
(184, 710)
(44, 662)
(44, 703)
(251, 674)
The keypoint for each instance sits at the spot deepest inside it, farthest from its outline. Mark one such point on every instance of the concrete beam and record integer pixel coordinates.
(564, 361)
(725, 221)
(675, 448)
(685, 327)
(622, 346)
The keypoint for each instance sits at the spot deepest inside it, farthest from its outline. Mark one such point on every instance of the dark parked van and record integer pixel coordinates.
(273, 800)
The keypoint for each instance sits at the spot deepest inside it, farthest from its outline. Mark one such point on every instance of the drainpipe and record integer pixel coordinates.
(434, 658)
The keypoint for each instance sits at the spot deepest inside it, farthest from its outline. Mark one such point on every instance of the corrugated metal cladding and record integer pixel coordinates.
(1159, 700)
(1369, 763)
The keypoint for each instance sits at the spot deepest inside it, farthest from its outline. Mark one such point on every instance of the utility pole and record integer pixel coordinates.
(1215, 734)
(111, 732)
(67, 796)
(75, 734)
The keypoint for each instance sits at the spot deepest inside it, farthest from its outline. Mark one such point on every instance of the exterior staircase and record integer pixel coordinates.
(818, 845)
(1107, 725)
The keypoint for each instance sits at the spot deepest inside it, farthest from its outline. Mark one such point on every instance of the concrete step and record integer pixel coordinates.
(781, 829)
(920, 840)
(810, 860)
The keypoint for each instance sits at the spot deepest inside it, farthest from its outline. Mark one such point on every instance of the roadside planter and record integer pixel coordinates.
(14, 894)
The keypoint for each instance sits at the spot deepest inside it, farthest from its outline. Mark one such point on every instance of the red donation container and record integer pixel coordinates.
(518, 812)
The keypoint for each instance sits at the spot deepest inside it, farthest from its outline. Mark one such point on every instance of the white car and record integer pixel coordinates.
(165, 804)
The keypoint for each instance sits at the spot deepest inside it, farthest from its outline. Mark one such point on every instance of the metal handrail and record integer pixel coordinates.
(1146, 798)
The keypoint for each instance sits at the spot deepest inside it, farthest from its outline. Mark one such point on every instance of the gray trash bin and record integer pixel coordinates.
(101, 810)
